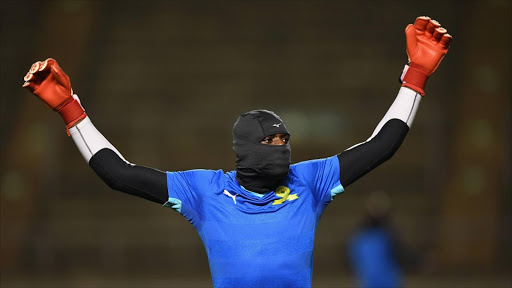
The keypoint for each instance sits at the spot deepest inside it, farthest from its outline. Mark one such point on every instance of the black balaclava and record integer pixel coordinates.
(260, 167)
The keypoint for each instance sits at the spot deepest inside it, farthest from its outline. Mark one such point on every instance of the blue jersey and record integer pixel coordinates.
(257, 240)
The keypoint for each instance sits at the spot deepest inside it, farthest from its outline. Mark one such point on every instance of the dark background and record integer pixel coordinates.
(164, 81)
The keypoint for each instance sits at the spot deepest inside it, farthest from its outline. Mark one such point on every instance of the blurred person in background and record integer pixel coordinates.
(257, 222)
(376, 253)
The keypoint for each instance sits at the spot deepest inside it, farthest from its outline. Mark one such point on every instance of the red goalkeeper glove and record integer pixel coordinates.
(427, 43)
(49, 82)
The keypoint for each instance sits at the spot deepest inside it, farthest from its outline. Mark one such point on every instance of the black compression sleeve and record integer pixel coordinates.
(356, 162)
(140, 181)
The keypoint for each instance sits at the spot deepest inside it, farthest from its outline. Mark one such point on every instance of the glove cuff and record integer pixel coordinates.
(415, 77)
(71, 112)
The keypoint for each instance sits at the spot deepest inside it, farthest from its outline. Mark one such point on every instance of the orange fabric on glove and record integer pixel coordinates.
(427, 43)
(49, 82)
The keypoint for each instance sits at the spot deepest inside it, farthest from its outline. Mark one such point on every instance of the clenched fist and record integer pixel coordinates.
(49, 82)
(427, 43)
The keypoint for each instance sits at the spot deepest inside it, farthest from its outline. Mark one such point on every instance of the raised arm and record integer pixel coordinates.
(427, 43)
(48, 82)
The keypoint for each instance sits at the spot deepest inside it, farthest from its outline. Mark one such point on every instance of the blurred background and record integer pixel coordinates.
(164, 81)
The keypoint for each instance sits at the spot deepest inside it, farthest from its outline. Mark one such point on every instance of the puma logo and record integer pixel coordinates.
(232, 196)
(277, 125)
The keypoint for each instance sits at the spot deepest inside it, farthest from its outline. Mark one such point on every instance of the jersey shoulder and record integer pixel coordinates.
(314, 166)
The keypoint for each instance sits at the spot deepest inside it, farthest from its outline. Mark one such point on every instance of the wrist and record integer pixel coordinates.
(71, 112)
(415, 78)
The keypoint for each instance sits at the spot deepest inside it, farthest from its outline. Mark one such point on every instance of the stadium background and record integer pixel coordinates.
(164, 81)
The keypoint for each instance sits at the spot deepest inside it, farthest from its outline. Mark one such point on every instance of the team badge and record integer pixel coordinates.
(283, 192)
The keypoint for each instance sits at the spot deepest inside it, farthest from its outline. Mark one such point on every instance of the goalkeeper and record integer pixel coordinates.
(258, 222)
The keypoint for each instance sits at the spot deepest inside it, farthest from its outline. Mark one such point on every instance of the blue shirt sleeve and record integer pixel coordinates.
(322, 176)
(188, 189)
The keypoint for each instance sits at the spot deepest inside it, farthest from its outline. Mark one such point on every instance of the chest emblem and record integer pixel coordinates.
(230, 195)
(283, 192)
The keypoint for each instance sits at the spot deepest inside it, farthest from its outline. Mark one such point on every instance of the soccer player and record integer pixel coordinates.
(375, 251)
(258, 222)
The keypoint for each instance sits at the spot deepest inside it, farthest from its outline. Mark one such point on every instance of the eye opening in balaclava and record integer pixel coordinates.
(260, 167)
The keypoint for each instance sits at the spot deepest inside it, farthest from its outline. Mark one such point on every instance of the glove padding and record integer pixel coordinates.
(427, 43)
(49, 82)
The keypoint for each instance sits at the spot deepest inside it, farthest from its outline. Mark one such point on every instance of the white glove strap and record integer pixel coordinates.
(406, 67)
(89, 140)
